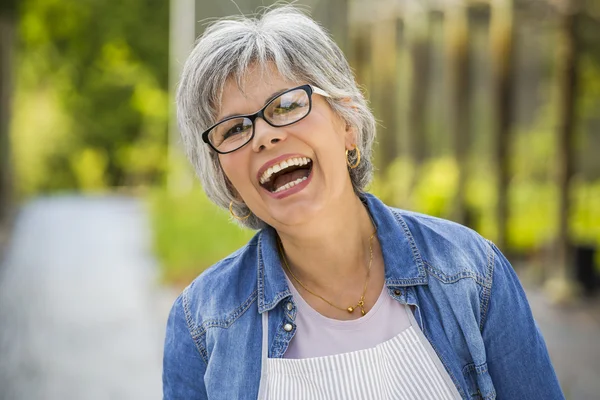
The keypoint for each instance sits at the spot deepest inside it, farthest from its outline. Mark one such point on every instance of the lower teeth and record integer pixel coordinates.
(289, 185)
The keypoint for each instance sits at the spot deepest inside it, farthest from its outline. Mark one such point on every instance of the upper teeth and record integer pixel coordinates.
(266, 176)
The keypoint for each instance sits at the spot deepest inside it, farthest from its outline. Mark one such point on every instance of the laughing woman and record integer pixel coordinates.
(337, 296)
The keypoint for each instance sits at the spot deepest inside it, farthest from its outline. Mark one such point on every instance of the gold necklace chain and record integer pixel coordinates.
(350, 309)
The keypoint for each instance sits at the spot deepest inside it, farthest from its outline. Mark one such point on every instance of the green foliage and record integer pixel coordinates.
(37, 143)
(585, 220)
(430, 187)
(191, 233)
(533, 204)
(96, 72)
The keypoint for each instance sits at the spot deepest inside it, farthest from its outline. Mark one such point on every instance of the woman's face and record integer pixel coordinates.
(321, 138)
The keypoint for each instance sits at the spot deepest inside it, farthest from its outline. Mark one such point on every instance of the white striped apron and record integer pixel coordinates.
(404, 367)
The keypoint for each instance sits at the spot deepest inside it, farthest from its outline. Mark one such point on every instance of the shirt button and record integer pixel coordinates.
(288, 327)
(397, 292)
(289, 306)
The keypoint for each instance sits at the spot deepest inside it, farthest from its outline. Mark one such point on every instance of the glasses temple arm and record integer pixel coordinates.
(319, 91)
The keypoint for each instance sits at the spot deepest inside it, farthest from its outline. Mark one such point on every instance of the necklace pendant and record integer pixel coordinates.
(362, 311)
(350, 309)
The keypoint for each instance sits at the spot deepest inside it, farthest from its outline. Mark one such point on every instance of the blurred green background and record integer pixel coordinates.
(489, 114)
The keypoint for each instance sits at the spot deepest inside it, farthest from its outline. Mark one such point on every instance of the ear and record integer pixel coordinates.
(350, 137)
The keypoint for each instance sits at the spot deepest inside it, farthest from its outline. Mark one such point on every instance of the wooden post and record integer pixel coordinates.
(384, 57)
(359, 52)
(7, 29)
(561, 285)
(418, 32)
(182, 26)
(333, 14)
(501, 35)
(457, 34)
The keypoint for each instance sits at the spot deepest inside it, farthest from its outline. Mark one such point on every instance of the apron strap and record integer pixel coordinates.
(432, 354)
(411, 316)
(265, 355)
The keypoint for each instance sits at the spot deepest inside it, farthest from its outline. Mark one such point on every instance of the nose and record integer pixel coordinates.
(266, 136)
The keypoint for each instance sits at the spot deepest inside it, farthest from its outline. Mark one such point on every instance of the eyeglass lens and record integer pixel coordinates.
(284, 110)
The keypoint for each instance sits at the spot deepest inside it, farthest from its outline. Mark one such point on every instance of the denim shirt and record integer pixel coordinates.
(467, 298)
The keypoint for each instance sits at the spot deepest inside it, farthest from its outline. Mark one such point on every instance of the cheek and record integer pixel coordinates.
(226, 166)
(330, 129)
(235, 170)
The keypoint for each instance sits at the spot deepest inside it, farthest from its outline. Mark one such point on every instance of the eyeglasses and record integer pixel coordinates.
(287, 108)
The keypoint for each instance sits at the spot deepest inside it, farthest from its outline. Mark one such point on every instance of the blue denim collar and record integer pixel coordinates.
(402, 258)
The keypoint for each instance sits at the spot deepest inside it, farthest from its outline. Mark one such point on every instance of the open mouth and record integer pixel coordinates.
(286, 174)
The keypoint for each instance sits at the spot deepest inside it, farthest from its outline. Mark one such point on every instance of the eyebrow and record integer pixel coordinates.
(271, 97)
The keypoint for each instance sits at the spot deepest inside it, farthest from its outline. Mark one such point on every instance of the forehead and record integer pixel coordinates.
(249, 93)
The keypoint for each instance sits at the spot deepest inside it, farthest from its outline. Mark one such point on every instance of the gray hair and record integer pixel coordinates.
(226, 50)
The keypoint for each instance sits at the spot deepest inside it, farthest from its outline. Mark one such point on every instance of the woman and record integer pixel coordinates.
(338, 296)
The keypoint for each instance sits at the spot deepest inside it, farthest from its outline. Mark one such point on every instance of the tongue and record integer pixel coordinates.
(289, 177)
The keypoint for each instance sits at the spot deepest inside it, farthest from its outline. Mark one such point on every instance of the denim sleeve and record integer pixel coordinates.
(517, 357)
(183, 366)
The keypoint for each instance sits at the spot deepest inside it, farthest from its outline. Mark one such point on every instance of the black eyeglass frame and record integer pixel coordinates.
(309, 89)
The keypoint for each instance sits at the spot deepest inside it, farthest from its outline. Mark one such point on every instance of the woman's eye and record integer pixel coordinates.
(239, 128)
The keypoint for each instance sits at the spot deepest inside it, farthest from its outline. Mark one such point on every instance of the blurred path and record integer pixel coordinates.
(80, 314)
(572, 334)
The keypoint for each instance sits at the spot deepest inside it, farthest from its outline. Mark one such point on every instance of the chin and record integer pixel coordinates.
(298, 214)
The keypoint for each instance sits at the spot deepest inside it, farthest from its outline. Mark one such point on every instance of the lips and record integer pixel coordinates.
(276, 160)
(285, 175)
(290, 190)
(284, 172)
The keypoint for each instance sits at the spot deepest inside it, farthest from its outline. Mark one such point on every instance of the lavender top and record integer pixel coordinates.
(318, 336)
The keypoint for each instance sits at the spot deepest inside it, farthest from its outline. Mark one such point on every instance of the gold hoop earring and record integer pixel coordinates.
(235, 216)
(352, 166)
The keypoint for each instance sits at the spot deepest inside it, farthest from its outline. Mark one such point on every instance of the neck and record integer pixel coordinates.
(331, 254)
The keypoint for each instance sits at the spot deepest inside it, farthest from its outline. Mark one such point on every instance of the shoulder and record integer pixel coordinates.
(223, 291)
(448, 249)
